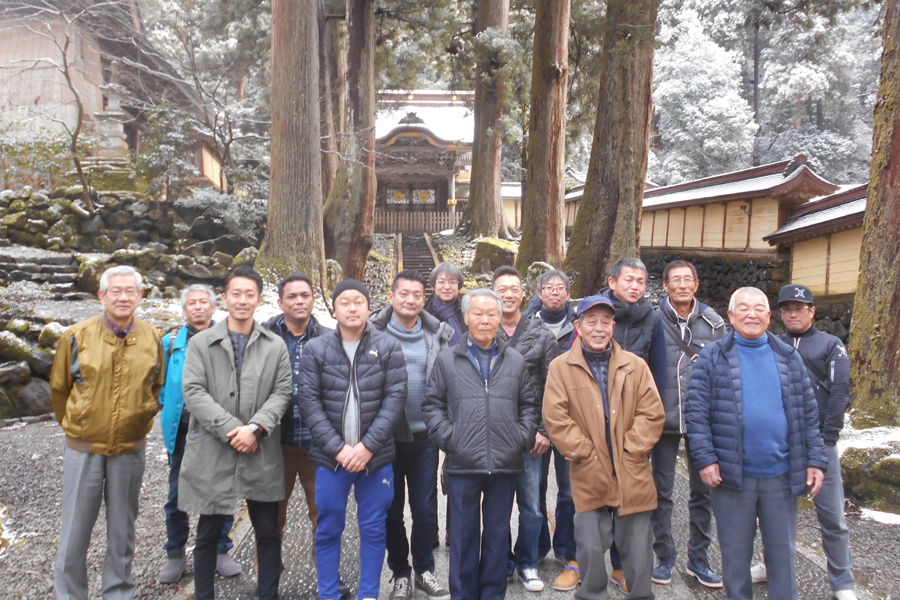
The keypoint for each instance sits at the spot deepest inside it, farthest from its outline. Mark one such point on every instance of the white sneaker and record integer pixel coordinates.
(533, 582)
(758, 574)
(845, 595)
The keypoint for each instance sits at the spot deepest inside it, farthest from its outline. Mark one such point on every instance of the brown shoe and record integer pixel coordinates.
(618, 578)
(569, 579)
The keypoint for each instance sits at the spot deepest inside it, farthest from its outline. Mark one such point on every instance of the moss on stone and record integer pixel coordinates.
(13, 347)
(887, 470)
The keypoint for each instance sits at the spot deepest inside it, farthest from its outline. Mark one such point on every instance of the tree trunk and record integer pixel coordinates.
(608, 223)
(756, 52)
(874, 335)
(543, 203)
(293, 240)
(329, 139)
(350, 209)
(336, 38)
(484, 210)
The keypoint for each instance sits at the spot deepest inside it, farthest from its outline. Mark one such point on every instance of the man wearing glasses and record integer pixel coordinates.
(829, 371)
(104, 385)
(689, 326)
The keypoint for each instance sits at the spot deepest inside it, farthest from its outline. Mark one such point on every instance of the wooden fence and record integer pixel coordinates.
(414, 222)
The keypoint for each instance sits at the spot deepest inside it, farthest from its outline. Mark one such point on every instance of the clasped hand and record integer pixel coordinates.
(354, 458)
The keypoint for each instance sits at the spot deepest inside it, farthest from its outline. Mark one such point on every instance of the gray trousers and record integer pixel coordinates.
(88, 480)
(595, 532)
(835, 535)
(737, 511)
(663, 460)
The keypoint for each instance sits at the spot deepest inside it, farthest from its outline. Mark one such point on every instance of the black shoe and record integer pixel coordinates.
(344, 590)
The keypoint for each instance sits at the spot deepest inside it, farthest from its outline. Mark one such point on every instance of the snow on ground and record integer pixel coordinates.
(868, 438)
(880, 517)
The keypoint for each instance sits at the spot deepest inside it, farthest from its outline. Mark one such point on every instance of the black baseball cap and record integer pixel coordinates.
(794, 292)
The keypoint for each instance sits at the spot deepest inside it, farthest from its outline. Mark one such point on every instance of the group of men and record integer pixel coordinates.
(606, 390)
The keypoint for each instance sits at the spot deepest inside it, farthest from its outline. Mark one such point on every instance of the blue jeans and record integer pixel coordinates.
(564, 536)
(177, 527)
(416, 465)
(481, 506)
(374, 493)
(528, 484)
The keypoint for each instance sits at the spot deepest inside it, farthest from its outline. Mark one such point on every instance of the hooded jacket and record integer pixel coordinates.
(379, 380)
(703, 327)
(714, 413)
(437, 337)
(574, 417)
(483, 427)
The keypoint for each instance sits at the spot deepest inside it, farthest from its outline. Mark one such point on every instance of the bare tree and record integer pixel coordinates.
(607, 226)
(874, 335)
(293, 240)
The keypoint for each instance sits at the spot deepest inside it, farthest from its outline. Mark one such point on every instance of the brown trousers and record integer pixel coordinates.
(296, 463)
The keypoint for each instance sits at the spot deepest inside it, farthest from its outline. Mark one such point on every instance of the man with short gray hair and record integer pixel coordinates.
(106, 377)
(754, 435)
(480, 410)
(198, 303)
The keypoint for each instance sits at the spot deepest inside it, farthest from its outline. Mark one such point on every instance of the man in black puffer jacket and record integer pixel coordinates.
(480, 410)
(352, 395)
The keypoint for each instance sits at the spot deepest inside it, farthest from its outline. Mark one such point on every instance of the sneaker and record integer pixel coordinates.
(845, 595)
(531, 580)
(662, 572)
(569, 579)
(227, 566)
(401, 589)
(173, 570)
(428, 585)
(618, 578)
(758, 573)
(706, 576)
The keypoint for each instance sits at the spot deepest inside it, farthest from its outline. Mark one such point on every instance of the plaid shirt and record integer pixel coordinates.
(293, 431)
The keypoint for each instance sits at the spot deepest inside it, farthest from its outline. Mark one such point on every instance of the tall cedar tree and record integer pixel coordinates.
(485, 207)
(350, 209)
(607, 226)
(543, 219)
(293, 240)
(875, 336)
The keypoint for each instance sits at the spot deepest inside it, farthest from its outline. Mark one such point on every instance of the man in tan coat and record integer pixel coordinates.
(603, 412)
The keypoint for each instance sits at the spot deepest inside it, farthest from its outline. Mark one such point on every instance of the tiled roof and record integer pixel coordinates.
(847, 207)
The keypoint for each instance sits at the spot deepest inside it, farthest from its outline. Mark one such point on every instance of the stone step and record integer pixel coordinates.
(36, 268)
(22, 275)
(24, 254)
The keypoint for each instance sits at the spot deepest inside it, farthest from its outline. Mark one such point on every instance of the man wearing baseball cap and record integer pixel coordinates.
(603, 411)
(829, 371)
(352, 392)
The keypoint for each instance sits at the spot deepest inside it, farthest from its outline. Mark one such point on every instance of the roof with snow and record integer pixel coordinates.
(792, 180)
(446, 114)
(842, 210)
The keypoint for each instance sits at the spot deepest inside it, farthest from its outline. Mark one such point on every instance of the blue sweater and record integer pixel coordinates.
(765, 426)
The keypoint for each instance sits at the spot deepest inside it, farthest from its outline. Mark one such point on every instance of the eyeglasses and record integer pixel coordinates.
(446, 283)
(509, 290)
(559, 289)
(129, 292)
(684, 280)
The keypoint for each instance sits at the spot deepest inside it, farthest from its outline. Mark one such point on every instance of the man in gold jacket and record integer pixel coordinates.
(104, 385)
(603, 412)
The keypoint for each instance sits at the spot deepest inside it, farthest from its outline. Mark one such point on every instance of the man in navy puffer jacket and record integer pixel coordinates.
(753, 426)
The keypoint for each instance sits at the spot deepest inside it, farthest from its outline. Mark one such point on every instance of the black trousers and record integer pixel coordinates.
(264, 517)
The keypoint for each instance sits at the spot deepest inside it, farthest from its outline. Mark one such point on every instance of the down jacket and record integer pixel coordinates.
(380, 382)
(714, 413)
(482, 427)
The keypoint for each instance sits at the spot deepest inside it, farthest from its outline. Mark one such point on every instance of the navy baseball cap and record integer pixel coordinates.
(591, 301)
(794, 292)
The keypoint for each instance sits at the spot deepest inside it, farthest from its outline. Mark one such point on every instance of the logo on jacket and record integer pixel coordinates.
(841, 350)
(375, 352)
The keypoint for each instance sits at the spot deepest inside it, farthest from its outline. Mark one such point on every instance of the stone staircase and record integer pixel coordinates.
(417, 255)
(57, 270)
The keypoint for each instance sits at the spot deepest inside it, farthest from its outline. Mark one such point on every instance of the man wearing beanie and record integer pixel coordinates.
(352, 386)
(421, 336)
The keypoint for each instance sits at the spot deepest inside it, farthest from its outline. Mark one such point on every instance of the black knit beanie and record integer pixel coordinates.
(349, 284)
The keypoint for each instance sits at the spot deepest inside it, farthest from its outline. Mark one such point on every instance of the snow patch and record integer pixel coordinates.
(880, 517)
(867, 438)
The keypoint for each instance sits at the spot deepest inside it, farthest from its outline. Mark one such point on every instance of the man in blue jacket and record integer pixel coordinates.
(198, 305)
(754, 435)
(829, 370)
(352, 396)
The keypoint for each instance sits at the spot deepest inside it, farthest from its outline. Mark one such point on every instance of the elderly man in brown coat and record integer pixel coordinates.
(603, 412)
